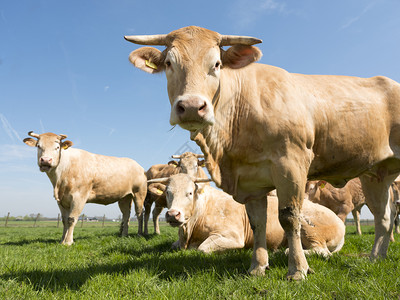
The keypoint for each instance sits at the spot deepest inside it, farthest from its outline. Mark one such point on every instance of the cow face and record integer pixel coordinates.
(181, 197)
(49, 147)
(190, 163)
(193, 62)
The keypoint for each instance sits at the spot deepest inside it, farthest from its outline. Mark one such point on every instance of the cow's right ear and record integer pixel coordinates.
(30, 142)
(148, 59)
(173, 163)
(239, 56)
(201, 163)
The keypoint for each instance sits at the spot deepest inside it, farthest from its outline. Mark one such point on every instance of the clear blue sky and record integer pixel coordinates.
(64, 68)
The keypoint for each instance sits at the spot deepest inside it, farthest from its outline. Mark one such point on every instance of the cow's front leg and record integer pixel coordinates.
(156, 216)
(257, 211)
(290, 183)
(378, 200)
(72, 217)
(217, 242)
(64, 218)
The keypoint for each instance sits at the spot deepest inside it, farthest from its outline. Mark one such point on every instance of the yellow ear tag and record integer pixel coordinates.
(322, 185)
(159, 192)
(150, 65)
(201, 191)
(65, 147)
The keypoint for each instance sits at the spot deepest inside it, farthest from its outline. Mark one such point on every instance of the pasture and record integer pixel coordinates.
(101, 265)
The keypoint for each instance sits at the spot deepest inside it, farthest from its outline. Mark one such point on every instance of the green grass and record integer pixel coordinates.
(101, 265)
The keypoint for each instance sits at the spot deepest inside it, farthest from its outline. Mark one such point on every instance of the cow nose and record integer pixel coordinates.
(191, 109)
(46, 160)
(173, 215)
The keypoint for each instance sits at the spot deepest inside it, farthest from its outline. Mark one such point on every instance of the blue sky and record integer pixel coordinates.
(64, 68)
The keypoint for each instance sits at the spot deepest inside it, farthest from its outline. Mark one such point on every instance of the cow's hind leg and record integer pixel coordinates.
(356, 216)
(125, 206)
(138, 199)
(156, 216)
(378, 200)
(148, 202)
(257, 211)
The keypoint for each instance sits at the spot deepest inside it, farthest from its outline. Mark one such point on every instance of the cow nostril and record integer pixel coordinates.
(180, 109)
(203, 106)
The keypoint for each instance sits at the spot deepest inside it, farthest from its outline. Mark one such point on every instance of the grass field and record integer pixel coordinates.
(101, 265)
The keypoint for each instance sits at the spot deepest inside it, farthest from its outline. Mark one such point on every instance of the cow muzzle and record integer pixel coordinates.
(173, 217)
(45, 164)
(192, 113)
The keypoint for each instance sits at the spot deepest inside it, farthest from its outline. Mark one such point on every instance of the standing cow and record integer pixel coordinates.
(189, 163)
(210, 220)
(341, 201)
(261, 127)
(79, 177)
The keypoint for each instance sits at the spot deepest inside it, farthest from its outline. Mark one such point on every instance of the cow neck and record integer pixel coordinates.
(217, 140)
(56, 174)
(196, 219)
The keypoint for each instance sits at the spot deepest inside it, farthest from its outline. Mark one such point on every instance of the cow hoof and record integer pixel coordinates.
(258, 271)
(299, 275)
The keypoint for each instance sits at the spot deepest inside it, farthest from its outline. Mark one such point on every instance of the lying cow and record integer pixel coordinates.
(189, 163)
(341, 201)
(210, 220)
(79, 177)
(261, 127)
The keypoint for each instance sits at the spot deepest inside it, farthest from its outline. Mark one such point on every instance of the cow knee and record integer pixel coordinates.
(289, 218)
(71, 221)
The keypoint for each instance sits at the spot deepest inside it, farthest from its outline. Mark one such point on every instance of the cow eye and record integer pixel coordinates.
(57, 147)
(168, 63)
(217, 64)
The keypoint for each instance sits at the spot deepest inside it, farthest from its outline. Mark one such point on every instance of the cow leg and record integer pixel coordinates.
(138, 200)
(125, 206)
(148, 202)
(378, 200)
(72, 217)
(356, 216)
(257, 211)
(290, 182)
(220, 243)
(156, 216)
(64, 218)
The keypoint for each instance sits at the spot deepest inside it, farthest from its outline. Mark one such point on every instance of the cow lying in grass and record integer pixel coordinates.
(79, 177)
(188, 163)
(210, 220)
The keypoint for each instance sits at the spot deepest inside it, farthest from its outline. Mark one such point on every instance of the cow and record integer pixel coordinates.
(261, 127)
(210, 220)
(341, 201)
(189, 163)
(79, 177)
(395, 194)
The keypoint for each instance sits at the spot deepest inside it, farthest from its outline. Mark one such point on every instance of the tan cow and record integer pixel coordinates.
(188, 163)
(79, 177)
(210, 220)
(341, 201)
(261, 127)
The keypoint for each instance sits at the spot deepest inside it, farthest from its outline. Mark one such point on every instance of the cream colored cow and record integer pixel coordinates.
(79, 177)
(210, 220)
(261, 127)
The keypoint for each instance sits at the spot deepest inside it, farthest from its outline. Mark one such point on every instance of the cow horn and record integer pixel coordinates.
(62, 136)
(200, 155)
(229, 40)
(199, 180)
(156, 39)
(158, 180)
(32, 134)
(176, 156)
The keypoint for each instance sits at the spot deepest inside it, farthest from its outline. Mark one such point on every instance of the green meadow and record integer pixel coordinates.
(100, 265)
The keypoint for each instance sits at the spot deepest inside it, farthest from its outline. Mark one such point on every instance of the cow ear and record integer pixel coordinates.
(30, 142)
(156, 189)
(66, 144)
(173, 162)
(201, 163)
(148, 59)
(239, 56)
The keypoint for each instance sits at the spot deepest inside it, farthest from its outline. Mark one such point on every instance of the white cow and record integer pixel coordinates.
(79, 177)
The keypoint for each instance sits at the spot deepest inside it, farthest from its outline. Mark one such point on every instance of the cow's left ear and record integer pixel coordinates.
(66, 144)
(239, 56)
(148, 59)
(201, 163)
(30, 142)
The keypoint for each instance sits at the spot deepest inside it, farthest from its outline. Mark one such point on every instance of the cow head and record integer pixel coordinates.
(193, 62)
(189, 162)
(182, 193)
(49, 147)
